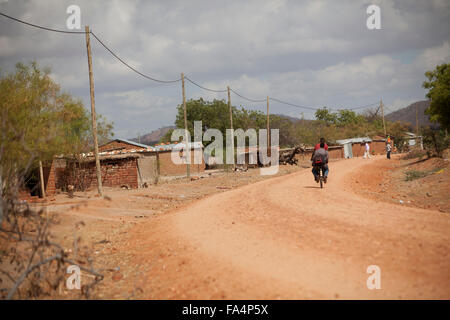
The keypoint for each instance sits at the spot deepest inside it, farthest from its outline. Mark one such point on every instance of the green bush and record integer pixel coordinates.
(414, 174)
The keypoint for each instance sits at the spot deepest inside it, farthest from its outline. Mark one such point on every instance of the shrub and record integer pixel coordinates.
(414, 174)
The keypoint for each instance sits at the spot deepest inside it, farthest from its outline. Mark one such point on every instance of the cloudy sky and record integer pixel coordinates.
(313, 53)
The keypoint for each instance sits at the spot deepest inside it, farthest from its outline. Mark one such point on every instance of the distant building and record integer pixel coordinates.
(413, 140)
(355, 147)
(122, 163)
(122, 145)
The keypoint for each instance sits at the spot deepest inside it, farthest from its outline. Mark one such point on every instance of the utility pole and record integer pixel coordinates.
(268, 126)
(417, 119)
(382, 114)
(231, 125)
(94, 120)
(41, 178)
(187, 151)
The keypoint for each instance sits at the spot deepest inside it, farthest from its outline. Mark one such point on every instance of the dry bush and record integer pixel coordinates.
(32, 264)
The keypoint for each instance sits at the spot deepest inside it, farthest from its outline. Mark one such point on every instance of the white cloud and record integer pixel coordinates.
(306, 52)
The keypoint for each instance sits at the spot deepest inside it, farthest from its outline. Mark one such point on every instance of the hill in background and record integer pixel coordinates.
(153, 137)
(408, 114)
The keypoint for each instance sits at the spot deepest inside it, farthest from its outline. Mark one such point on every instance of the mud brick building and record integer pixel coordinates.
(123, 163)
(122, 145)
(355, 147)
(334, 152)
(117, 170)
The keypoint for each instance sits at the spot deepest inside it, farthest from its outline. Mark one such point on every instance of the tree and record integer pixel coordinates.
(438, 86)
(38, 121)
(325, 115)
(216, 114)
(435, 141)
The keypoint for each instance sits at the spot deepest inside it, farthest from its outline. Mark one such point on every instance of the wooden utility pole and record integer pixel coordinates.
(41, 178)
(231, 125)
(187, 151)
(417, 120)
(382, 114)
(94, 120)
(268, 126)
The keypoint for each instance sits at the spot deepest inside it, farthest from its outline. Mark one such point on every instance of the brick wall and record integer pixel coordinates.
(336, 152)
(378, 146)
(60, 171)
(118, 145)
(358, 149)
(115, 173)
(49, 178)
(168, 168)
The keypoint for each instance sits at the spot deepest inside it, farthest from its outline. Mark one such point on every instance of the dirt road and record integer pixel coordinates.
(284, 238)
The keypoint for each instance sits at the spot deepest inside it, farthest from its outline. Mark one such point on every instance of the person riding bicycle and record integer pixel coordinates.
(320, 161)
(322, 140)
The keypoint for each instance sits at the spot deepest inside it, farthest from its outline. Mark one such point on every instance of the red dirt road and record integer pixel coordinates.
(284, 238)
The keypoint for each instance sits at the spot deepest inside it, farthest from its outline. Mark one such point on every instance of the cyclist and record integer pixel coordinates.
(320, 161)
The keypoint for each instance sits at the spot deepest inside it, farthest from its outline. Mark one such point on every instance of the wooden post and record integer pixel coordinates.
(417, 120)
(94, 120)
(158, 167)
(188, 166)
(231, 126)
(268, 128)
(382, 114)
(41, 179)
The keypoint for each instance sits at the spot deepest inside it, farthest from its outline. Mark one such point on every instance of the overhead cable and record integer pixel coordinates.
(41, 27)
(130, 67)
(245, 98)
(177, 80)
(204, 88)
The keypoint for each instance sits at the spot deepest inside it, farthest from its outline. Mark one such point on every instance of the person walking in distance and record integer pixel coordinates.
(388, 150)
(367, 151)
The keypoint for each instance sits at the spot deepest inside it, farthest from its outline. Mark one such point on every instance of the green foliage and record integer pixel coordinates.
(331, 125)
(415, 154)
(414, 174)
(216, 114)
(345, 124)
(438, 86)
(38, 121)
(326, 116)
(166, 138)
(397, 131)
(435, 141)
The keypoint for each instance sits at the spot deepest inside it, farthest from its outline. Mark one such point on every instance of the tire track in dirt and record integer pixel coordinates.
(286, 238)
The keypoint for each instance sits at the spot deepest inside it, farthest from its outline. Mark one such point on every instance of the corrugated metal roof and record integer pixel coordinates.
(129, 142)
(354, 140)
(191, 145)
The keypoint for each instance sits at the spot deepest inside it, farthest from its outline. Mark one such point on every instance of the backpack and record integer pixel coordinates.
(318, 159)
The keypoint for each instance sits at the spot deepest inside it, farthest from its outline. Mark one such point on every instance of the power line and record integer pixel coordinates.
(130, 67)
(251, 100)
(315, 108)
(365, 106)
(41, 27)
(172, 81)
(293, 105)
(212, 90)
(83, 32)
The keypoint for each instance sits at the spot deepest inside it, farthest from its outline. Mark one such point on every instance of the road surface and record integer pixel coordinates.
(285, 238)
